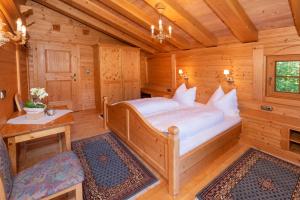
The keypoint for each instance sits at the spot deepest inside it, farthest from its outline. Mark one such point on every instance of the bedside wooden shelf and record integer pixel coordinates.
(295, 138)
(294, 141)
(295, 147)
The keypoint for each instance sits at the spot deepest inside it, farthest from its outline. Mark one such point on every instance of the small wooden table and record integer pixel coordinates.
(16, 133)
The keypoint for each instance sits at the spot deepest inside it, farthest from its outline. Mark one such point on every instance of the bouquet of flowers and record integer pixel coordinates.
(37, 95)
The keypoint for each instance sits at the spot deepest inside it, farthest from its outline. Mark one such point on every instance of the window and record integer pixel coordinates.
(283, 76)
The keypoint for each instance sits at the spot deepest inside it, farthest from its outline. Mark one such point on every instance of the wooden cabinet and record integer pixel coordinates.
(266, 132)
(117, 73)
(269, 130)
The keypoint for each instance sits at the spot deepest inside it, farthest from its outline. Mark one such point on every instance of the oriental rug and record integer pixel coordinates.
(255, 175)
(111, 170)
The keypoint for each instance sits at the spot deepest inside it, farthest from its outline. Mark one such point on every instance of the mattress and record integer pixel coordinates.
(189, 120)
(189, 143)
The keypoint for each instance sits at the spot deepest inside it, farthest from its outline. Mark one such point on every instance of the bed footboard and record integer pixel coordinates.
(159, 150)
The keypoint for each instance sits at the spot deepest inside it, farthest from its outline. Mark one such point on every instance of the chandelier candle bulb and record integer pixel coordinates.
(152, 30)
(160, 24)
(19, 24)
(23, 30)
(170, 30)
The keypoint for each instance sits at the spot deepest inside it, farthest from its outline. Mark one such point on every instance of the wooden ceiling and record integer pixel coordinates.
(196, 23)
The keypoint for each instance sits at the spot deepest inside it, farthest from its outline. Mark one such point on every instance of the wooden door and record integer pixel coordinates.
(111, 74)
(131, 73)
(57, 73)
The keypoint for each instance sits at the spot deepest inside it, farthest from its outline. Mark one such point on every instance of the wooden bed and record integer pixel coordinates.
(161, 150)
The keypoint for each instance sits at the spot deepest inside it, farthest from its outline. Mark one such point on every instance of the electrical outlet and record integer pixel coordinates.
(266, 108)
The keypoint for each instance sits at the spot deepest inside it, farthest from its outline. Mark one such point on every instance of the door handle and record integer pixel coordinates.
(73, 77)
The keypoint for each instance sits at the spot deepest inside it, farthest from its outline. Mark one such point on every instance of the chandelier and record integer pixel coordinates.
(161, 35)
(19, 35)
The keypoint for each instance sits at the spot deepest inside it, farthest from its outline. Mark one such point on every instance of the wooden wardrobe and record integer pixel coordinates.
(117, 73)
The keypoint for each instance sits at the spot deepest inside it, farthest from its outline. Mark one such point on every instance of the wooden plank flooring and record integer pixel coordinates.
(88, 124)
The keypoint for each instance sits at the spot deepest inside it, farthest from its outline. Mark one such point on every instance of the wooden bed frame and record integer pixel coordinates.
(161, 150)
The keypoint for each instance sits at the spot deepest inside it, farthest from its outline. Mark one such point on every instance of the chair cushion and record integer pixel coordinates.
(5, 169)
(48, 177)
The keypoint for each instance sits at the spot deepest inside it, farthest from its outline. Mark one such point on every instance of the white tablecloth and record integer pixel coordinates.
(43, 120)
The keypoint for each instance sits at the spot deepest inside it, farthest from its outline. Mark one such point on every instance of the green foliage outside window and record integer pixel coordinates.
(287, 76)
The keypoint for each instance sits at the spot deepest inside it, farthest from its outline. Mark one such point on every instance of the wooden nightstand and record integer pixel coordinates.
(156, 93)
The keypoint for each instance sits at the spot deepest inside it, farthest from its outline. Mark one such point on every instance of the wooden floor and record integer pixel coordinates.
(88, 124)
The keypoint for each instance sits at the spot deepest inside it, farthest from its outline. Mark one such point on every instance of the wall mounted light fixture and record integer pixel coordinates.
(183, 75)
(19, 36)
(2, 94)
(228, 76)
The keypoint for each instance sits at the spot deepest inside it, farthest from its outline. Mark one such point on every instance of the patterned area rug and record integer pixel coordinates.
(111, 171)
(255, 175)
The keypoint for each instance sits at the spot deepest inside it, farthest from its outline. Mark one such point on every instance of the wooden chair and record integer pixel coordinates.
(19, 102)
(45, 180)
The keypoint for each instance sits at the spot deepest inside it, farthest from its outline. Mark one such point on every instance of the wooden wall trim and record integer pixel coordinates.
(174, 71)
(258, 72)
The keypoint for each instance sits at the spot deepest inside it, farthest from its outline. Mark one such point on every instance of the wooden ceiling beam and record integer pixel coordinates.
(186, 22)
(135, 14)
(95, 9)
(78, 15)
(235, 18)
(295, 8)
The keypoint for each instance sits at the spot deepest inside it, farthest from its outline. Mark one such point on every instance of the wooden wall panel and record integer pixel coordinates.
(8, 80)
(205, 70)
(143, 69)
(49, 25)
(159, 71)
(13, 79)
(23, 53)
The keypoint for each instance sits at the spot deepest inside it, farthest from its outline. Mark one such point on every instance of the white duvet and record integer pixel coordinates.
(149, 106)
(189, 120)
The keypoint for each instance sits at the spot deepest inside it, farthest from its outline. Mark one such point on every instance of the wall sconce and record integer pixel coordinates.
(19, 35)
(228, 77)
(183, 75)
(2, 94)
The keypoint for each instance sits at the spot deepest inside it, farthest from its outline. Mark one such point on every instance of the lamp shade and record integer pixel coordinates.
(180, 72)
(226, 71)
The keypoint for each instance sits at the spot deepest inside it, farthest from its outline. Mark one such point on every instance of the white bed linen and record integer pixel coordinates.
(189, 143)
(149, 106)
(189, 120)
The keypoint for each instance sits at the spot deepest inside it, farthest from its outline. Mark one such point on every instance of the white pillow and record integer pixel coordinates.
(219, 93)
(228, 104)
(188, 98)
(179, 92)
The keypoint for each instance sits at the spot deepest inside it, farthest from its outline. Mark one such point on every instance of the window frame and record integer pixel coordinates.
(271, 77)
